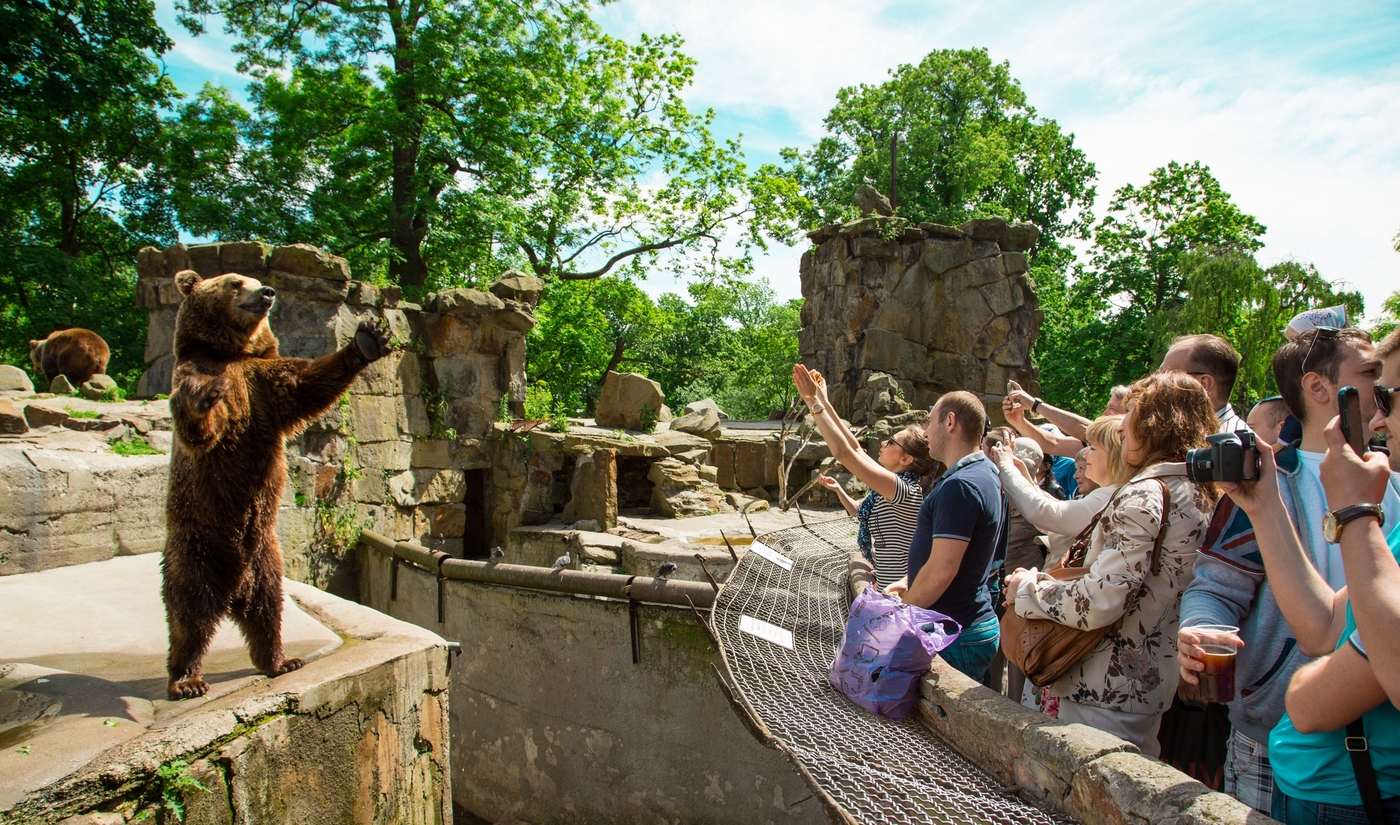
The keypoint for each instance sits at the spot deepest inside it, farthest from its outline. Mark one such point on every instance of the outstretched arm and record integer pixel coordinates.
(1074, 426)
(199, 408)
(302, 389)
(842, 444)
(1050, 443)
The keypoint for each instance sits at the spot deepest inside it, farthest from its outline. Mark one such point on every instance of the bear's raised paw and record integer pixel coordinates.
(189, 687)
(373, 341)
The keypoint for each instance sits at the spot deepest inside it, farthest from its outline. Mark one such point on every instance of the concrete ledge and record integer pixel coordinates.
(359, 734)
(1096, 778)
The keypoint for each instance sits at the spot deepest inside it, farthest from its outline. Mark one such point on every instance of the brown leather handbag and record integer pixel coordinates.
(1046, 650)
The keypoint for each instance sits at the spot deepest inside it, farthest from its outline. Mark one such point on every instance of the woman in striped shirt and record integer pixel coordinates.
(888, 514)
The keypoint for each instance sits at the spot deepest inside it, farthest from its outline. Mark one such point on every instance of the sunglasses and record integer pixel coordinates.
(1319, 332)
(887, 442)
(1385, 399)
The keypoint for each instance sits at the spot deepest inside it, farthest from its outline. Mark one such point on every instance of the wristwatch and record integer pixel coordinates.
(1334, 521)
(1035, 405)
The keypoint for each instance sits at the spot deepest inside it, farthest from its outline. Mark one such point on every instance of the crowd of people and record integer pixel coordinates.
(1095, 526)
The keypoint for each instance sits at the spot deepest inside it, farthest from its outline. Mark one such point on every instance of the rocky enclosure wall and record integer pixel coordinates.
(358, 735)
(936, 307)
(552, 722)
(404, 453)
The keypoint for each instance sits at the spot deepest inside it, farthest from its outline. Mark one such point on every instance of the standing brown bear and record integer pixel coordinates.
(234, 400)
(78, 354)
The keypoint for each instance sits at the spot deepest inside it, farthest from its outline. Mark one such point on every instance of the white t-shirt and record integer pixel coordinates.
(1311, 463)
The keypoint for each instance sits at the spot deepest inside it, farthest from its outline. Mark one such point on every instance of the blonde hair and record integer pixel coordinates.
(1103, 435)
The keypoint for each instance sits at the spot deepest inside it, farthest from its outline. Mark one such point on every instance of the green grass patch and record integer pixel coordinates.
(83, 413)
(136, 446)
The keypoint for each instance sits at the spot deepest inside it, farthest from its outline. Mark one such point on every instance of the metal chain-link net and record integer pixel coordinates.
(874, 770)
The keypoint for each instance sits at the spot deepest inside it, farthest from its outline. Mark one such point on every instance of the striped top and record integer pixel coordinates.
(892, 528)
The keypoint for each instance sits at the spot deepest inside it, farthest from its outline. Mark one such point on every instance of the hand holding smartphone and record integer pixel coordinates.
(1353, 429)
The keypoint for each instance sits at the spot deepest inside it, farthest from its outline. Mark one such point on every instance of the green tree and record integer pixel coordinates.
(448, 139)
(970, 145)
(583, 330)
(1389, 317)
(81, 90)
(1111, 323)
(1230, 295)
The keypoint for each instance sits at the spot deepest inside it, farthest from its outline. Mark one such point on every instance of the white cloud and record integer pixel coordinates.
(1303, 136)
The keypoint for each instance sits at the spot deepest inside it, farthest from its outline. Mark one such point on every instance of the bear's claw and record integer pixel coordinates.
(373, 340)
(212, 393)
(189, 687)
(287, 666)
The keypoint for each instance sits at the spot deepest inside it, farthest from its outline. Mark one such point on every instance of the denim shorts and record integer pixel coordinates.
(1292, 811)
(974, 650)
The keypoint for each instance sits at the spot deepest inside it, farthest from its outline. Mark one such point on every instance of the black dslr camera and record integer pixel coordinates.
(1230, 457)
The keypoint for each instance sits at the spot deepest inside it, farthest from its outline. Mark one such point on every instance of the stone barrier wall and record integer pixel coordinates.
(405, 451)
(1089, 775)
(357, 735)
(938, 308)
(553, 722)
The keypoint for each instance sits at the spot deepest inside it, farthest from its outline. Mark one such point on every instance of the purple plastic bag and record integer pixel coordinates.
(887, 647)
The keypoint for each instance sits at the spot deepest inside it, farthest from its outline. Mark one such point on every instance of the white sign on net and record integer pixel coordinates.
(768, 632)
(772, 555)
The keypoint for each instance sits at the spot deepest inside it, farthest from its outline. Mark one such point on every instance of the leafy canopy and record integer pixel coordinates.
(731, 341)
(81, 89)
(451, 139)
(970, 145)
(1171, 257)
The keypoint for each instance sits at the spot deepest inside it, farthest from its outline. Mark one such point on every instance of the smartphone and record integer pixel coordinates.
(1349, 404)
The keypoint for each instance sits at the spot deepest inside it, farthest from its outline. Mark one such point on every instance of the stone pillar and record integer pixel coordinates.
(937, 308)
(593, 491)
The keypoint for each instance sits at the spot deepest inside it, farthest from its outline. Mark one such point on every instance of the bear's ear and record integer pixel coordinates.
(186, 281)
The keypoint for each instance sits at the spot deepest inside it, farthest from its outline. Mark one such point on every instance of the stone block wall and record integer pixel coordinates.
(1074, 770)
(560, 725)
(938, 308)
(405, 451)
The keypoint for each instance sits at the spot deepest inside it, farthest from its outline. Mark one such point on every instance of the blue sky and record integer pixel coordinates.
(1295, 107)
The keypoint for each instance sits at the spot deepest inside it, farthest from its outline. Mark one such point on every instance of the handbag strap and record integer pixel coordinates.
(1360, 751)
(1079, 549)
(1161, 532)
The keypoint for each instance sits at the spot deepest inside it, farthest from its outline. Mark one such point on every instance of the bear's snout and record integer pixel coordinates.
(260, 300)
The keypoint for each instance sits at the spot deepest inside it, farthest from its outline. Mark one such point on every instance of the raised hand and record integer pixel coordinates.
(1349, 478)
(372, 340)
(1018, 396)
(829, 483)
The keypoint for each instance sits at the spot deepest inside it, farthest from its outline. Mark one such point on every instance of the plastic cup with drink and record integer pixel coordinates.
(1218, 644)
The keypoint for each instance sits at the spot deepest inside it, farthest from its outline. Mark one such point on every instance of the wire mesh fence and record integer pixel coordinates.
(874, 770)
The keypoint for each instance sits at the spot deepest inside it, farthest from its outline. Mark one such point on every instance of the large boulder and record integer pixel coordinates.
(60, 385)
(704, 423)
(97, 387)
(14, 379)
(515, 285)
(681, 491)
(706, 404)
(11, 420)
(630, 401)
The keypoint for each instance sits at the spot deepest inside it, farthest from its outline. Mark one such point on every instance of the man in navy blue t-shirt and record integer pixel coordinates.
(959, 538)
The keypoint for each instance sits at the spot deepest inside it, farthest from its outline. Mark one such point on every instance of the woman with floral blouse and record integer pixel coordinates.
(1126, 683)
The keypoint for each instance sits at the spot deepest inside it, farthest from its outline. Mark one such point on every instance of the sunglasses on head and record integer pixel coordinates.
(1385, 399)
(1318, 332)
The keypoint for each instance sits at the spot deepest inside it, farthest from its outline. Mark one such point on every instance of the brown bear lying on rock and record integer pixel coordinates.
(234, 400)
(78, 354)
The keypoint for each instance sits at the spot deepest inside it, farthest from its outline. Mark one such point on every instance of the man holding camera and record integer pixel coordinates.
(1247, 536)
